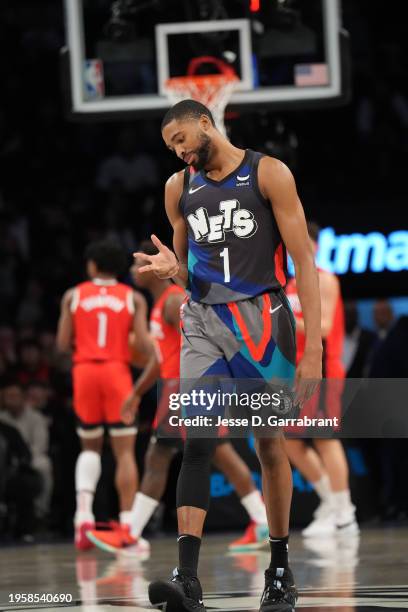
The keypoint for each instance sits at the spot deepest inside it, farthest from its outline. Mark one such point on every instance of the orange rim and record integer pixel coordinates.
(200, 80)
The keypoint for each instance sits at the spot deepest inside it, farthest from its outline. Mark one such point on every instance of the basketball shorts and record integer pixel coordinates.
(249, 339)
(100, 388)
(253, 338)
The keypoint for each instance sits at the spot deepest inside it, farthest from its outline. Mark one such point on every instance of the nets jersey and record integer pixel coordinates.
(166, 336)
(332, 344)
(235, 250)
(102, 314)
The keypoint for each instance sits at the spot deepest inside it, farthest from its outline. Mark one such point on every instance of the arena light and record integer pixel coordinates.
(255, 6)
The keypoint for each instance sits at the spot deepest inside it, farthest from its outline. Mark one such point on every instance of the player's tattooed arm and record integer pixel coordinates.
(65, 330)
(278, 186)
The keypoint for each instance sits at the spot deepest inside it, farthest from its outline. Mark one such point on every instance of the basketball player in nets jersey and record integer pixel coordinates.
(324, 464)
(96, 319)
(233, 212)
(164, 444)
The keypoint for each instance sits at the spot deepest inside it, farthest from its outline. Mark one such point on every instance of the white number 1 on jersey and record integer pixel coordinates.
(102, 328)
(225, 255)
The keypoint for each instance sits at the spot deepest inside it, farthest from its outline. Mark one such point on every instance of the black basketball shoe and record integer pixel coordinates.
(182, 593)
(280, 593)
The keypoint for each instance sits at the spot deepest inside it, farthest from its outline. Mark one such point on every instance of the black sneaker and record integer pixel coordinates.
(280, 593)
(182, 593)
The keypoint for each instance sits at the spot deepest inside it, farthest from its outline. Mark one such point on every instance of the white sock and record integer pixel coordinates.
(322, 487)
(255, 507)
(87, 473)
(126, 517)
(84, 503)
(342, 501)
(142, 510)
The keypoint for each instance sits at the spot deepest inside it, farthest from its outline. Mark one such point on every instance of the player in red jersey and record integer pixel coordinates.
(96, 319)
(165, 329)
(324, 464)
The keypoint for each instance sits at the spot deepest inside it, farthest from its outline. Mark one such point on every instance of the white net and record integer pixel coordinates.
(214, 91)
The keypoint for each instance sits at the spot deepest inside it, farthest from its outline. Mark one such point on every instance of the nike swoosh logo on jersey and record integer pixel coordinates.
(191, 191)
(243, 178)
(272, 310)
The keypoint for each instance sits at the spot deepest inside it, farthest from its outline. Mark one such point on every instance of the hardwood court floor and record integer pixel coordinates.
(347, 575)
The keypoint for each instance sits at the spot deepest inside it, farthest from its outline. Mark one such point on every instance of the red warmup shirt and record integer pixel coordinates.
(166, 336)
(332, 344)
(103, 312)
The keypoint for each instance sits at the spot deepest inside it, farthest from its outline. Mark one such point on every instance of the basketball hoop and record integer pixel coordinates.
(212, 90)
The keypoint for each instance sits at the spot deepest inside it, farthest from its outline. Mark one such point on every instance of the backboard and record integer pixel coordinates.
(286, 53)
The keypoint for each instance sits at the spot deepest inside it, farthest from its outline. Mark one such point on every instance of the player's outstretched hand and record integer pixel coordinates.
(164, 264)
(129, 408)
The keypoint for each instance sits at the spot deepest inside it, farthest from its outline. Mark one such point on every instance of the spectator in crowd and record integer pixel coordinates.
(46, 340)
(30, 311)
(391, 361)
(31, 366)
(7, 343)
(358, 344)
(38, 397)
(383, 318)
(33, 428)
(3, 369)
(20, 484)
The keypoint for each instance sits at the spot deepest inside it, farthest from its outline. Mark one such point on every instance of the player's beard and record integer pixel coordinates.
(203, 152)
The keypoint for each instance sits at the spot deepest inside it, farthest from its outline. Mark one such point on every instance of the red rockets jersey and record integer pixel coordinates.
(332, 344)
(102, 312)
(166, 336)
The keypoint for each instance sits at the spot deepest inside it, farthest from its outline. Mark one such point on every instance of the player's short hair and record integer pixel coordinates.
(108, 257)
(313, 230)
(186, 109)
(148, 247)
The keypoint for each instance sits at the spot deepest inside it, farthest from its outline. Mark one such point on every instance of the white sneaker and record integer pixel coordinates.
(320, 527)
(346, 523)
(348, 529)
(323, 522)
(140, 550)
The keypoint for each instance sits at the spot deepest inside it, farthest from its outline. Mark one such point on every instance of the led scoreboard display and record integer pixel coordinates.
(372, 264)
(359, 253)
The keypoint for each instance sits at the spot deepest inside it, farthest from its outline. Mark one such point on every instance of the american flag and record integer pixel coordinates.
(307, 75)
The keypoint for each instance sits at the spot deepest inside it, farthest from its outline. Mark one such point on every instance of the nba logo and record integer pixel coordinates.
(93, 79)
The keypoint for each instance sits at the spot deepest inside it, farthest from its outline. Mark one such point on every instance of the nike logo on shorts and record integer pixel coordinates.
(272, 310)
